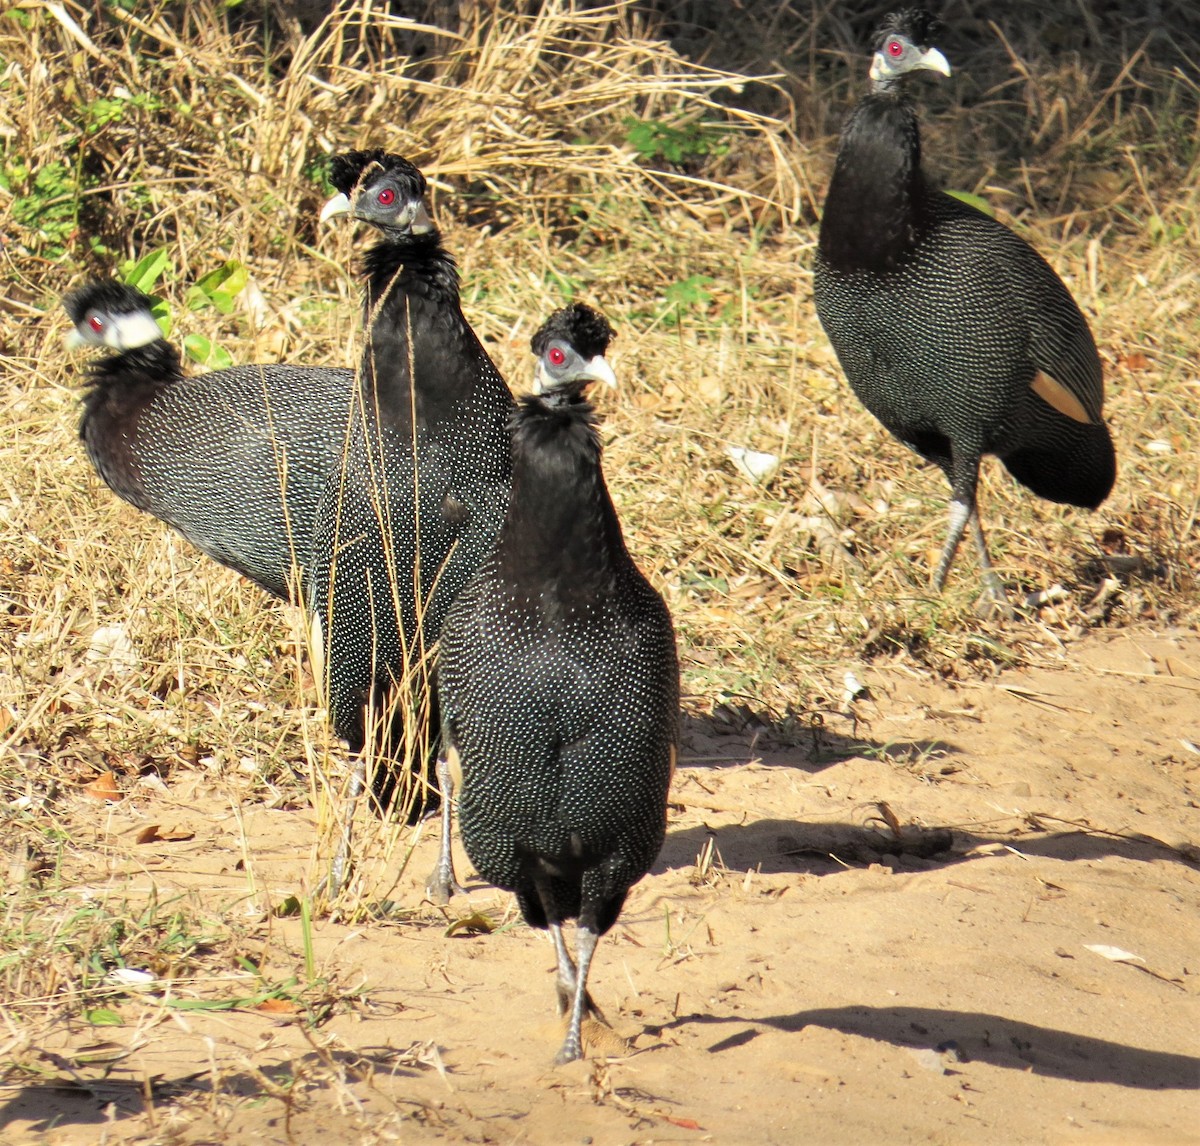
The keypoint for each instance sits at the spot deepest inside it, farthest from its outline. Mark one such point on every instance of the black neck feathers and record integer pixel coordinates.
(561, 532)
(415, 263)
(420, 348)
(122, 385)
(876, 212)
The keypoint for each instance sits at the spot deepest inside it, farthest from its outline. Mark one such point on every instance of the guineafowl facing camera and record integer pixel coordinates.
(236, 460)
(559, 690)
(951, 329)
(569, 350)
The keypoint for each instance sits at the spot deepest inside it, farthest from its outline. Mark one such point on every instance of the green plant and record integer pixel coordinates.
(113, 109)
(45, 202)
(689, 294)
(655, 140)
(217, 289)
(973, 200)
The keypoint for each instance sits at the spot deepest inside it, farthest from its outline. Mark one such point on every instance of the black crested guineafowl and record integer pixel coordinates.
(951, 329)
(421, 497)
(559, 690)
(235, 460)
(569, 349)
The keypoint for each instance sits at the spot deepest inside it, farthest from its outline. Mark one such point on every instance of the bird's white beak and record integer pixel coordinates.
(934, 61)
(74, 340)
(600, 370)
(338, 205)
(421, 223)
(882, 69)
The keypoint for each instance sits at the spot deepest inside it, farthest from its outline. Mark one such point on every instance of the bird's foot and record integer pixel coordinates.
(989, 608)
(441, 884)
(994, 605)
(570, 1051)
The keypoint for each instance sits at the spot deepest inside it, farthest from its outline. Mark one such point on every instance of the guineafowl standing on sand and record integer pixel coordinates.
(569, 349)
(236, 460)
(421, 496)
(951, 329)
(559, 690)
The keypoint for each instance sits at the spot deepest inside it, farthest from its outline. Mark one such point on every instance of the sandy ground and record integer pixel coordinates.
(904, 931)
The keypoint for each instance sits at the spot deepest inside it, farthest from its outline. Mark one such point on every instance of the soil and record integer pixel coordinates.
(965, 914)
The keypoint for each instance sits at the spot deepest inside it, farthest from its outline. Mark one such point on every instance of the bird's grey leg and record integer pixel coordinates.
(960, 513)
(341, 859)
(441, 883)
(962, 468)
(585, 946)
(565, 981)
(991, 579)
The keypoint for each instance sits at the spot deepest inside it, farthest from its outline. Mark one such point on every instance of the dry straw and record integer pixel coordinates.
(606, 153)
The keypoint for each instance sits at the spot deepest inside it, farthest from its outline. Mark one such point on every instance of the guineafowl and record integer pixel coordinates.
(421, 496)
(559, 691)
(951, 329)
(235, 460)
(568, 350)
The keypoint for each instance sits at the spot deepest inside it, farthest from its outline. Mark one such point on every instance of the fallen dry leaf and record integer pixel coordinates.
(474, 924)
(102, 788)
(278, 1007)
(154, 833)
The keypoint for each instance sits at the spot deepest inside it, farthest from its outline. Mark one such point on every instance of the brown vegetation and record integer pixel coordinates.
(664, 161)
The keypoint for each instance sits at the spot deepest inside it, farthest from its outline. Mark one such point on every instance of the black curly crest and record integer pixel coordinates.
(348, 169)
(915, 24)
(588, 331)
(110, 297)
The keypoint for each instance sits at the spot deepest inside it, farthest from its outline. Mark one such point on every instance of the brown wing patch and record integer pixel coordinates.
(1057, 395)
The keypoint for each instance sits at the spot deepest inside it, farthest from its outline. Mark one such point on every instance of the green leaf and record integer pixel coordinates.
(203, 1004)
(143, 274)
(218, 288)
(205, 352)
(973, 200)
(103, 1017)
(653, 139)
(197, 348)
(288, 907)
(161, 313)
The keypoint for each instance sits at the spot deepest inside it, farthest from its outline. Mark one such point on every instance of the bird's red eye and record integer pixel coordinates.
(95, 322)
(557, 356)
(386, 197)
(895, 48)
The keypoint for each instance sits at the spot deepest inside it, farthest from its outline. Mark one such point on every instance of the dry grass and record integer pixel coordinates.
(203, 131)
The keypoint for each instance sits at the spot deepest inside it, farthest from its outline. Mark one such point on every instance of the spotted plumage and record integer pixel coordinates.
(235, 460)
(419, 501)
(951, 329)
(559, 689)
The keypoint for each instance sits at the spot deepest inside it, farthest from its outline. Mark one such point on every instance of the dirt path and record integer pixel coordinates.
(816, 977)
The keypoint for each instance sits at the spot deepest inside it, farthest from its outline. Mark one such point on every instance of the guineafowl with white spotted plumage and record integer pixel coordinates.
(952, 330)
(419, 501)
(559, 689)
(236, 460)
